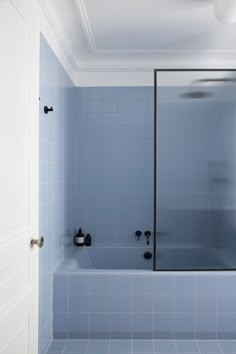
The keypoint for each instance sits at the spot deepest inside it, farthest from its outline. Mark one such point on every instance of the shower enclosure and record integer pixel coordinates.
(195, 169)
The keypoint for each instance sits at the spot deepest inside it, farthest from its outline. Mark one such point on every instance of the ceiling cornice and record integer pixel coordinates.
(51, 32)
(127, 64)
(83, 16)
(88, 33)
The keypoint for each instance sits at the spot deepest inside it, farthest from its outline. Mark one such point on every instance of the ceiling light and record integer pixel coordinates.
(225, 11)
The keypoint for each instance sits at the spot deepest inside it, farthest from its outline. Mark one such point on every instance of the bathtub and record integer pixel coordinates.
(112, 303)
(113, 258)
(102, 258)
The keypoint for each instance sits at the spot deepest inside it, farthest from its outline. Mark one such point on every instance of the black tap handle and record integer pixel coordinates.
(138, 233)
(147, 233)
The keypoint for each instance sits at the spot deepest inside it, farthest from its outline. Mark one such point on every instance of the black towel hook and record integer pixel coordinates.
(48, 109)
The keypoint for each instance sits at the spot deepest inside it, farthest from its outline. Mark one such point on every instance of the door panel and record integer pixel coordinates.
(19, 85)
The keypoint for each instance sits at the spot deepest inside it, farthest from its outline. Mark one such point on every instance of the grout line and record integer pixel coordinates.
(87, 346)
(198, 347)
(217, 300)
(175, 346)
(132, 314)
(89, 315)
(195, 306)
(219, 346)
(174, 309)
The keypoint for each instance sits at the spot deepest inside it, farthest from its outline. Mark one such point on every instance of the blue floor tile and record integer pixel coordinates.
(164, 346)
(98, 346)
(228, 346)
(142, 346)
(186, 346)
(76, 346)
(57, 346)
(120, 346)
(208, 346)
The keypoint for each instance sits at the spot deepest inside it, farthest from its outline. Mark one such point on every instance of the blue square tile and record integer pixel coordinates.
(164, 283)
(143, 284)
(78, 285)
(121, 284)
(184, 326)
(227, 283)
(164, 325)
(206, 283)
(164, 303)
(57, 346)
(185, 303)
(121, 322)
(208, 346)
(142, 303)
(142, 325)
(140, 106)
(142, 346)
(99, 322)
(60, 322)
(60, 335)
(120, 303)
(109, 106)
(78, 322)
(120, 346)
(206, 303)
(164, 346)
(99, 303)
(82, 334)
(206, 325)
(185, 284)
(94, 106)
(98, 346)
(76, 346)
(186, 346)
(226, 325)
(100, 284)
(78, 303)
(228, 346)
(125, 106)
(226, 303)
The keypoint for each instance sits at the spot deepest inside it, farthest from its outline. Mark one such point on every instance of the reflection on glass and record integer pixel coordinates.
(196, 155)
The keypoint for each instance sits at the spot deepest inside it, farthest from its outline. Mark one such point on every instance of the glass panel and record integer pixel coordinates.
(196, 148)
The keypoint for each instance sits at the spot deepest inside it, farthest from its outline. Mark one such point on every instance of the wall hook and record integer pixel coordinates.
(48, 109)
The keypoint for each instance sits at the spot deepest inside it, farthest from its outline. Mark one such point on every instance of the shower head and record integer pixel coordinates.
(195, 95)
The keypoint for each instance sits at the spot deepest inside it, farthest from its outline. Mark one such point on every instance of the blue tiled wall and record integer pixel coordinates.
(57, 177)
(115, 163)
(142, 306)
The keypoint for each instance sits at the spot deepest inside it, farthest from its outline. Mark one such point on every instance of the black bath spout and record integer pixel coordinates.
(147, 235)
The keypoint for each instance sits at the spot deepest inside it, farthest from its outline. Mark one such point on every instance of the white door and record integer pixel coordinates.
(19, 86)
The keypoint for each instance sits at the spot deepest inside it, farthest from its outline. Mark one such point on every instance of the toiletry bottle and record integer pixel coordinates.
(80, 238)
(88, 240)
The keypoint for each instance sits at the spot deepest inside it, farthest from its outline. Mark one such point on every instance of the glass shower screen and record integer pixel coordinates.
(195, 198)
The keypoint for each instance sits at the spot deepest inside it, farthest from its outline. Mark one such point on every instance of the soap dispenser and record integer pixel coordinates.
(88, 240)
(79, 238)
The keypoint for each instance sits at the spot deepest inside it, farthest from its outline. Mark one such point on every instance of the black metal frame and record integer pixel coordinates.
(155, 173)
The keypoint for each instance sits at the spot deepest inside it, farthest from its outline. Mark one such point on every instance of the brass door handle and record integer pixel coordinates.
(39, 242)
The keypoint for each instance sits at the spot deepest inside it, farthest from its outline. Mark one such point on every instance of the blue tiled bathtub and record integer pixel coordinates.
(130, 304)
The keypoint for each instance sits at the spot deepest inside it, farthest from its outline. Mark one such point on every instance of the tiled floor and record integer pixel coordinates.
(142, 347)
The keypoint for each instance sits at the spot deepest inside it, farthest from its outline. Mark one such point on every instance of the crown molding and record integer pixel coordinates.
(56, 41)
(126, 70)
(83, 16)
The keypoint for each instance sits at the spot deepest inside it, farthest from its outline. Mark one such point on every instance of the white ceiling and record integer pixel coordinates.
(103, 35)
